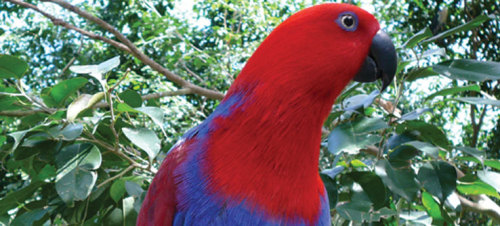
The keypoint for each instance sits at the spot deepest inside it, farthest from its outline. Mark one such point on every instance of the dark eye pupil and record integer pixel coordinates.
(348, 21)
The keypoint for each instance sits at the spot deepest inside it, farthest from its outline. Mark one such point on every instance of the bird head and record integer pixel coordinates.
(322, 48)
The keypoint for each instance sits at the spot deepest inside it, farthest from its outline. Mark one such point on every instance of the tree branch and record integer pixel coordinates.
(137, 53)
(477, 127)
(59, 22)
(178, 92)
(131, 167)
(126, 46)
(21, 113)
(72, 59)
(481, 204)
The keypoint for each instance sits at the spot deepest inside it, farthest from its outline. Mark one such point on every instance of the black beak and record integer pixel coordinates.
(381, 62)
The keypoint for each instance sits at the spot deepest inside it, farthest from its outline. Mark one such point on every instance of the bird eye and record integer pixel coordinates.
(348, 21)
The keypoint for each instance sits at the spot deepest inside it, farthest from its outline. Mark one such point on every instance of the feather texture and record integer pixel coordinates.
(254, 160)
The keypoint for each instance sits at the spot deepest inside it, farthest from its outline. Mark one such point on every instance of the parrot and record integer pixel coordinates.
(255, 159)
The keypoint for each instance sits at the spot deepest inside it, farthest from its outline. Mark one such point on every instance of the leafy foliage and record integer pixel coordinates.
(83, 148)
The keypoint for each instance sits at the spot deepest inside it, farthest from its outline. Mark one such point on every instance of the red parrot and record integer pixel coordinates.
(254, 160)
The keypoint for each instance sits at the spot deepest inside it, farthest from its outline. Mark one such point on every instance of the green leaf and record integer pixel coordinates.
(415, 114)
(399, 181)
(491, 178)
(425, 147)
(478, 100)
(367, 125)
(438, 178)
(97, 71)
(332, 117)
(333, 172)
(2, 140)
(399, 139)
(420, 73)
(470, 70)
(331, 189)
(453, 90)
(30, 217)
(427, 131)
(453, 202)
(403, 154)
(129, 215)
(476, 22)
(348, 91)
(69, 132)
(12, 67)
(357, 163)
(61, 91)
(416, 217)
(432, 207)
(35, 145)
(123, 107)
(402, 65)
(117, 190)
(133, 189)
(416, 38)
(472, 152)
(81, 103)
(155, 113)
(360, 212)
(477, 187)
(75, 176)
(360, 101)
(433, 52)
(13, 199)
(492, 163)
(47, 98)
(131, 97)
(144, 139)
(467, 158)
(354, 211)
(373, 186)
(101, 68)
(12, 102)
(18, 137)
(351, 136)
(47, 172)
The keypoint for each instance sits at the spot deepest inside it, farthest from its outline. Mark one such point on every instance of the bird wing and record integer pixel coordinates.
(159, 205)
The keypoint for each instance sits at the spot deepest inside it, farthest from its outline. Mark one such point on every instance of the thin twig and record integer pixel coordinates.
(137, 53)
(72, 59)
(21, 113)
(112, 149)
(113, 121)
(191, 72)
(11, 94)
(59, 22)
(481, 204)
(33, 100)
(119, 81)
(178, 92)
(131, 167)
(477, 126)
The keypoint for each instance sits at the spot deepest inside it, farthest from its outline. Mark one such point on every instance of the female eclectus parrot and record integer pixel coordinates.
(254, 160)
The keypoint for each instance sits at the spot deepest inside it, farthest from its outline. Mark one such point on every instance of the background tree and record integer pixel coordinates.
(82, 131)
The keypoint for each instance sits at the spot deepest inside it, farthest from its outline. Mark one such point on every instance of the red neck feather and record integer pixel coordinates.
(267, 151)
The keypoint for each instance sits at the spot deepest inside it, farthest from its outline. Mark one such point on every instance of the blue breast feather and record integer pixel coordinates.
(197, 207)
